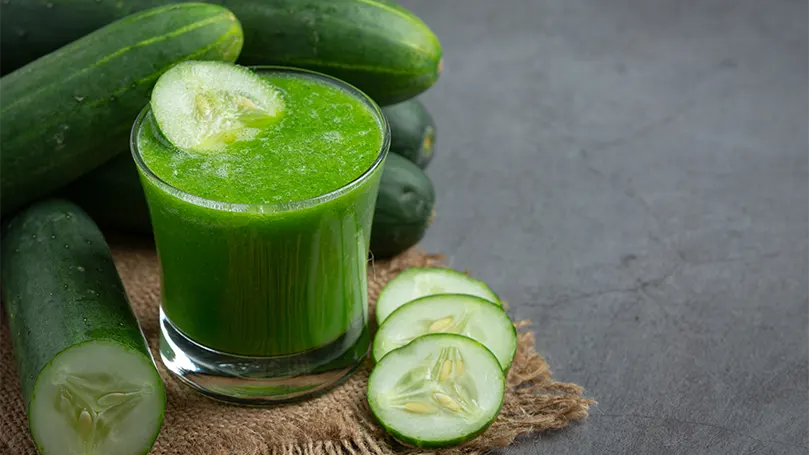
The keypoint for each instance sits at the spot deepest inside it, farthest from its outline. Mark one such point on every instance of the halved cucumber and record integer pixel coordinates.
(204, 106)
(97, 397)
(415, 283)
(466, 315)
(440, 390)
(87, 376)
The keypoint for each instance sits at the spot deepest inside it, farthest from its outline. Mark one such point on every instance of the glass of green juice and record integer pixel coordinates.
(263, 246)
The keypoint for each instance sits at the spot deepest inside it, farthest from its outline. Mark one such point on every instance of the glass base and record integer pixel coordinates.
(262, 380)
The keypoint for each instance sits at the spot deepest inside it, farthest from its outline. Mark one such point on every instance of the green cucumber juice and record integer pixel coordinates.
(263, 245)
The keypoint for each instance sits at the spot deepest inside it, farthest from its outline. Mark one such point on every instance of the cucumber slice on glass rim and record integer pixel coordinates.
(440, 390)
(465, 315)
(415, 283)
(97, 397)
(204, 106)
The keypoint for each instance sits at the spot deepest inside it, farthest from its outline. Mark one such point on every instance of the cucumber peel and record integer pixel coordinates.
(204, 106)
(437, 391)
(416, 282)
(466, 315)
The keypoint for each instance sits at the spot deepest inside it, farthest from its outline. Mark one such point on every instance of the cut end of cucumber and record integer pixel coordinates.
(466, 315)
(420, 282)
(205, 106)
(437, 391)
(97, 398)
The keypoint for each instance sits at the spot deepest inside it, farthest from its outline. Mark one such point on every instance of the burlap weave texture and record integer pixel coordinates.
(338, 422)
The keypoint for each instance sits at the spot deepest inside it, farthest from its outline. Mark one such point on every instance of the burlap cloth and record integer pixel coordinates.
(338, 422)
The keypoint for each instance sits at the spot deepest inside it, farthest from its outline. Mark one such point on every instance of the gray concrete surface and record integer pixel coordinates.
(632, 176)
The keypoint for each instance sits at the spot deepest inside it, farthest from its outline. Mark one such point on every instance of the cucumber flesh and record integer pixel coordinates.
(415, 283)
(439, 390)
(97, 398)
(465, 315)
(204, 106)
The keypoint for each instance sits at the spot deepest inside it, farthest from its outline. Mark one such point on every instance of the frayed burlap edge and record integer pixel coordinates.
(337, 423)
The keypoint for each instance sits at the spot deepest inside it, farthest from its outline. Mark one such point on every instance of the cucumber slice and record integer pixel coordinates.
(97, 397)
(204, 106)
(466, 315)
(415, 283)
(440, 390)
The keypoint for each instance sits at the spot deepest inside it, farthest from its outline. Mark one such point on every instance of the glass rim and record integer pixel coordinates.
(270, 206)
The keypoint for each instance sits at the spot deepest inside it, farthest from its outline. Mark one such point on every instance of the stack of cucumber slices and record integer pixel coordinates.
(442, 351)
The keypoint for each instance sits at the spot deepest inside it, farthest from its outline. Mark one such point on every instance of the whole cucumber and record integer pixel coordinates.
(71, 110)
(376, 45)
(412, 131)
(404, 208)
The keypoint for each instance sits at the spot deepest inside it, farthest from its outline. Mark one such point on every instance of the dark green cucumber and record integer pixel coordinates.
(71, 110)
(412, 131)
(112, 196)
(376, 45)
(404, 207)
(87, 376)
